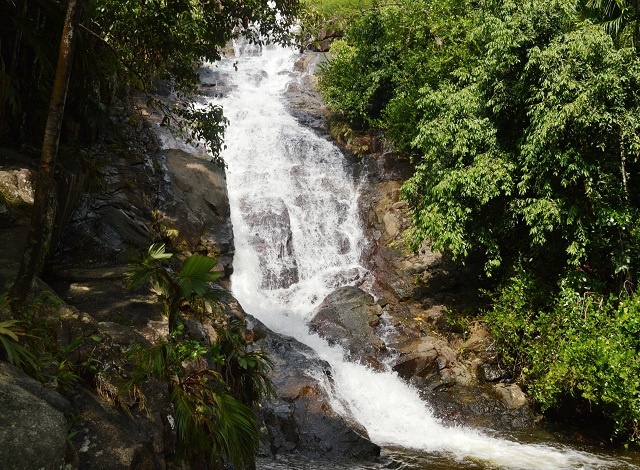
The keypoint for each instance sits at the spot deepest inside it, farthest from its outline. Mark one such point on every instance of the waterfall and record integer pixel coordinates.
(297, 237)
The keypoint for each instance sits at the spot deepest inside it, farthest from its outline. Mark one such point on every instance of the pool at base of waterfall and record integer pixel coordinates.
(389, 459)
(404, 459)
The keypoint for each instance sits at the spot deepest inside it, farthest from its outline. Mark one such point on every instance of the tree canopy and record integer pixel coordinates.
(120, 43)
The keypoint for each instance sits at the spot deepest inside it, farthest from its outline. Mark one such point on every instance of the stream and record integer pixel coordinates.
(298, 237)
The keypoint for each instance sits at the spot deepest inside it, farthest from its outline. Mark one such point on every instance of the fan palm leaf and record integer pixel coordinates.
(196, 274)
(150, 269)
(613, 15)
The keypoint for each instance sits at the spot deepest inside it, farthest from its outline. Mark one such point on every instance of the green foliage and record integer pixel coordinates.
(189, 287)
(575, 348)
(522, 122)
(14, 352)
(32, 343)
(213, 386)
(245, 371)
(323, 15)
(197, 125)
(619, 18)
(389, 53)
(213, 423)
(122, 43)
(338, 9)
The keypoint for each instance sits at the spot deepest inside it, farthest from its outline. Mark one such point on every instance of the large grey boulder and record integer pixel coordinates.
(33, 434)
(430, 356)
(348, 317)
(301, 418)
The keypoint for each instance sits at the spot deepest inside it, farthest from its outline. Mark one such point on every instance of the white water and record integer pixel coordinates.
(275, 163)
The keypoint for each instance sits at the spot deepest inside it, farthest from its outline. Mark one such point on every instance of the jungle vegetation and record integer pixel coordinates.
(522, 124)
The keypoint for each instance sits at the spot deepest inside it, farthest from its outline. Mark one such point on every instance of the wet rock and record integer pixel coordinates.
(215, 83)
(303, 100)
(348, 317)
(301, 419)
(102, 292)
(34, 430)
(475, 406)
(109, 224)
(490, 372)
(109, 438)
(118, 429)
(426, 356)
(197, 204)
(273, 241)
(511, 396)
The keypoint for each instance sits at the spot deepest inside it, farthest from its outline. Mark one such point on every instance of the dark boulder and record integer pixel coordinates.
(107, 437)
(301, 419)
(34, 429)
(348, 317)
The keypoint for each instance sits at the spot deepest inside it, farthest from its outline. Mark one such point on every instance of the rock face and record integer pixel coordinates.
(348, 317)
(273, 241)
(144, 187)
(197, 204)
(301, 418)
(303, 101)
(108, 438)
(427, 357)
(34, 429)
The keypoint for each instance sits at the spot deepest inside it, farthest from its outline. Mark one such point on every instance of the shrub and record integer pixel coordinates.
(576, 348)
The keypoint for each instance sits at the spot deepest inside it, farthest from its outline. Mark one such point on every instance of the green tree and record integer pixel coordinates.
(388, 54)
(43, 210)
(620, 18)
(189, 286)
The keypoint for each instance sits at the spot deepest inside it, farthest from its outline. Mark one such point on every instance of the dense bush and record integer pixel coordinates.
(579, 349)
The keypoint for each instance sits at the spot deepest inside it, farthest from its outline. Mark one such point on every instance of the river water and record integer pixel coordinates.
(297, 236)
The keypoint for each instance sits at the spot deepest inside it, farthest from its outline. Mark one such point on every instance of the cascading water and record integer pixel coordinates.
(297, 237)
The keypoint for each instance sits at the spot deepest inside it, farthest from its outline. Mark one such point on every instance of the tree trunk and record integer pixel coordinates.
(44, 204)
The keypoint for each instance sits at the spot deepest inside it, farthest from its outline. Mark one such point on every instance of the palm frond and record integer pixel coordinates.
(7, 328)
(237, 436)
(16, 354)
(157, 251)
(150, 269)
(613, 15)
(196, 274)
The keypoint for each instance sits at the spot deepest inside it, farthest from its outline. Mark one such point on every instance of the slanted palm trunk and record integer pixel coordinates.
(44, 204)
